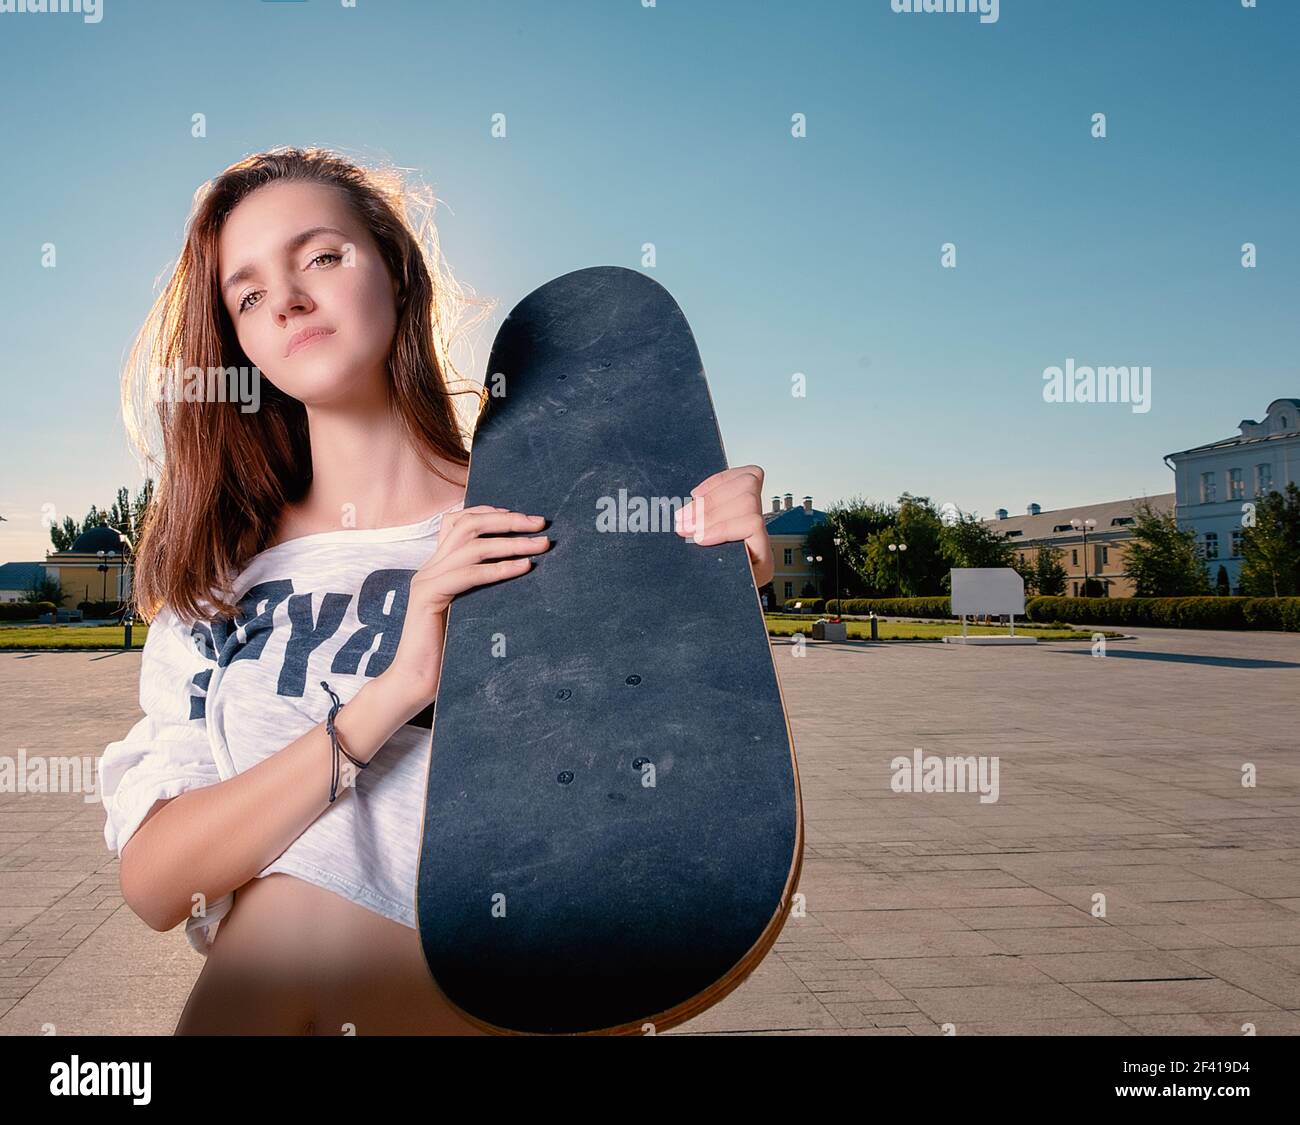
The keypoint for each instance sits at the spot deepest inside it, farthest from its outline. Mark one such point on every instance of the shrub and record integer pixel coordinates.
(1172, 613)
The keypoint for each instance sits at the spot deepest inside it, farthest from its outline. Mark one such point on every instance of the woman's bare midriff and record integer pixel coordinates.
(291, 958)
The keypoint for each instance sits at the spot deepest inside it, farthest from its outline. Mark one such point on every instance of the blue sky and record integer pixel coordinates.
(672, 125)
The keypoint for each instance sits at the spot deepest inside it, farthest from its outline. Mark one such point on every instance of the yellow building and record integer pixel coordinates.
(792, 575)
(1092, 540)
(93, 569)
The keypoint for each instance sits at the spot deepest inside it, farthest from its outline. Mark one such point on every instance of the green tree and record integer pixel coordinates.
(969, 542)
(1163, 559)
(45, 589)
(854, 522)
(919, 571)
(124, 515)
(1271, 547)
(1049, 574)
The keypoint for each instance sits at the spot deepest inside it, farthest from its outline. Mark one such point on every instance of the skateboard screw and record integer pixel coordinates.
(633, 680)
(563, 376)
(640, 762)
(565, 776)
(604, 363)
(562, 410)
(563, 693)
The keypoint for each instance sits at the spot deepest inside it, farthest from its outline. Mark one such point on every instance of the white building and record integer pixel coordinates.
(1215, 484)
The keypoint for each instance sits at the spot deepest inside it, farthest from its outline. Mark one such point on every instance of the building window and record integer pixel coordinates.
(1211, 544)
(1263, 479)
(1076, 589)
(1236, 486)
(1105, 556)
(1236, 543)
(789, 589)
(789, 556)
(1074, 557)
(1207, 488)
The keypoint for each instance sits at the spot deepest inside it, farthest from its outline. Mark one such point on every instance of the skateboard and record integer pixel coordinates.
(613, 829)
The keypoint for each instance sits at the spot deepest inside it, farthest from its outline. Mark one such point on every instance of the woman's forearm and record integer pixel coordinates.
(213, 840)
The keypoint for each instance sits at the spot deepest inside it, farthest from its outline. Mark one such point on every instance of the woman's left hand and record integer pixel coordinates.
(727, 507)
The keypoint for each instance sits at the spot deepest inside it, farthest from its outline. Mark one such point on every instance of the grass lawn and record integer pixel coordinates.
(69, 636)
(788, 625)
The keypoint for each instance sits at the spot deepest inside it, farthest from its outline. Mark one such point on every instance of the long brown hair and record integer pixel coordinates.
(224, 476)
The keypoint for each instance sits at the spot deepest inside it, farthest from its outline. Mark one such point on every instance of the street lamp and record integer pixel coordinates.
(839, 600)
(815, 559)
(103, 569)
(897, 550)
(1085, 526)
(128, 554)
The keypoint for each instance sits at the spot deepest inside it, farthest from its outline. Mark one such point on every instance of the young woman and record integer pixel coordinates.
(297, 553)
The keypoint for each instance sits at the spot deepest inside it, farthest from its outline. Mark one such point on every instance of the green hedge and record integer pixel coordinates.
(1177, 613)
(100, 609)
(881, 607)
(23, 611)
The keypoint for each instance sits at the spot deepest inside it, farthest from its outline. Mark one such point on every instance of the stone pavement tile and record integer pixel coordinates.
(955, 972)
(1246, 934)
(1236, 910)
(1287, 956)
(951, 943)
(122, 979)
(1174, 935)
(1066, 939)
(18, 915)
(1022, 917)
(1088, 1025)
(742, 1011)
(1266, 1022)
(864, 898)
(1125, 965)
(846, 923)
(1246, 969)
(1289, 903)
(1002, 1003)
(1132, 998)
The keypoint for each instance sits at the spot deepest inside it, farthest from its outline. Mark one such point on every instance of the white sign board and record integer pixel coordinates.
(987, 589)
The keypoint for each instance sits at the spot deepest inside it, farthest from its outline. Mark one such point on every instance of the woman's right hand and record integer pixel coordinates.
(466, 540)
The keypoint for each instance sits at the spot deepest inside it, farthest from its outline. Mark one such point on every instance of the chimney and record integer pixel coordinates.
(1033, 509)
(1001, 513)
(807, 504)
(787, 501)
(776, 503)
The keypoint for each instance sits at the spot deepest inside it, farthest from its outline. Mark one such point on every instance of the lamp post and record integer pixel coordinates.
(1085, 526)
(128, 619)
(103, 569)
(897, 549)
(816, 559)
(839, 599)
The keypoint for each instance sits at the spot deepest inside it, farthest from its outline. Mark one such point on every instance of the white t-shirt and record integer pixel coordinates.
(221, 696)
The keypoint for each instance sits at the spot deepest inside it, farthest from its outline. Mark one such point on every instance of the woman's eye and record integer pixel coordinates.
(243, 303)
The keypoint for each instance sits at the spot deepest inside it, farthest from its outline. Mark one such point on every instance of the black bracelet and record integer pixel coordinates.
(335, 745)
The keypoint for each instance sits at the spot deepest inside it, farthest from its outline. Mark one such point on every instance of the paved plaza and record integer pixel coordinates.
(924, 913)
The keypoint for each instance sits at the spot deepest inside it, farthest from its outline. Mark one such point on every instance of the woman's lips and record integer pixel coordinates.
(310, 338)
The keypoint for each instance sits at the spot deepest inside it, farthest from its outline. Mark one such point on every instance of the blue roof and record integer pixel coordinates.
(795, 521)
(20, 576)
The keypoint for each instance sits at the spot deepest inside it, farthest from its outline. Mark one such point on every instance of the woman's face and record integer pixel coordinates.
(275, 283)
